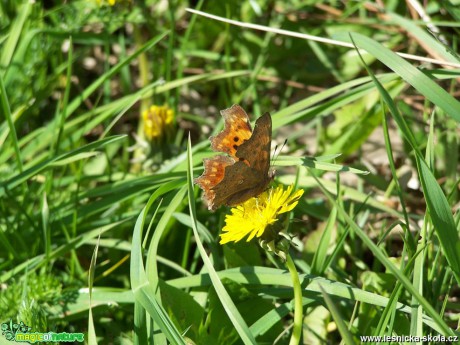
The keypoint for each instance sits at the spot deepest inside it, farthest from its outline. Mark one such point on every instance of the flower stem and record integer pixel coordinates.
(298, 307)
(145, 102)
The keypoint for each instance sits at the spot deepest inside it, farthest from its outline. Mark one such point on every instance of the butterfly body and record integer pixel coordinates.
(244, 173)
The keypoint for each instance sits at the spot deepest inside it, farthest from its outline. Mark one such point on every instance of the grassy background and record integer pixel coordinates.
(102, 232)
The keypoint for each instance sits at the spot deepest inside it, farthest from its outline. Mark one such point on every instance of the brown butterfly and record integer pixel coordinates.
(231, 180)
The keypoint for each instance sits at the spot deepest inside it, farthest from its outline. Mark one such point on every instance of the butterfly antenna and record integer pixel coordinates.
(276, 154)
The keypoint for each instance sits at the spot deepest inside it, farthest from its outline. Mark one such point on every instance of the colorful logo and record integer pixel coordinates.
(20, 332)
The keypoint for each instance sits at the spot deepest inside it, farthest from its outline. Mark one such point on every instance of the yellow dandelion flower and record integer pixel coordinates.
(103, 2)
(157, 121)
(255, 215)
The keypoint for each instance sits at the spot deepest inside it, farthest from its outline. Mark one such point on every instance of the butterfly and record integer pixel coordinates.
(244, 173)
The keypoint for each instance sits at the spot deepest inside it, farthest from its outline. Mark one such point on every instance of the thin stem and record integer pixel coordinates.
(143, 66)
(145, 102)
(5, 107)
(314, 38)
(298, 307)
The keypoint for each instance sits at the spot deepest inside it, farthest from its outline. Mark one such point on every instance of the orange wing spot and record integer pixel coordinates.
(245, 161)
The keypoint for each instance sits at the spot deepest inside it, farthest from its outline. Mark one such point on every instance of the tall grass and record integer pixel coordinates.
(103, 232)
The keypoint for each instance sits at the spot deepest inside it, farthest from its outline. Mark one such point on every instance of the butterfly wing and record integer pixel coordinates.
(236, 130)
(233, 180)
(249, 176)
(256, 151)
(238, 185)
(214, 172)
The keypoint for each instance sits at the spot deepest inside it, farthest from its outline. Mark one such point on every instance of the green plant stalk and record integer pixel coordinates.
(5, 107)
(145, 102)
(183, 52)
(298, 307)
(143, 65)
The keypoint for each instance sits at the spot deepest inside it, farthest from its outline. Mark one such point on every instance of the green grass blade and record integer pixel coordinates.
(272, 276)
(389, 151)
(379, 254)
(312, 162)
(18, 179)
(5, 107)
(15, 33)
(441, 216)
(417, 279)
(45, 213)
(422, 36)
(409, 73)
(351, 193)
(232, 312)
(92, 268)
(117, 68)
(140, 324)
(39, 260)
(319, 259)
(60, 116)
(342, 327)
(151, 267)
(440, 212)
(143, 291)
